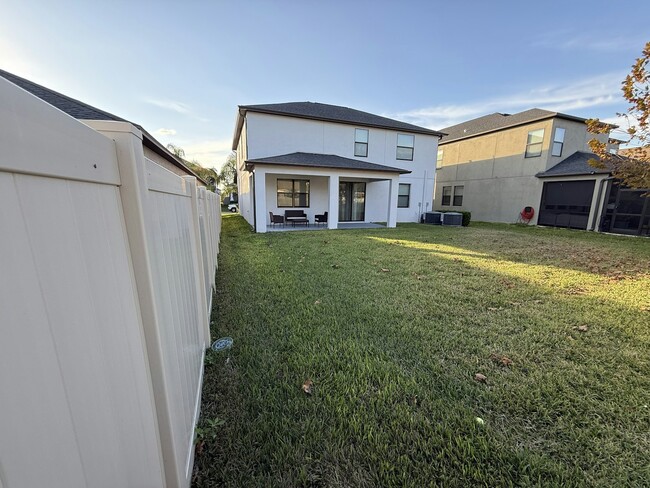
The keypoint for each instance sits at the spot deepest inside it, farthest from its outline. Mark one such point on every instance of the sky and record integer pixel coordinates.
(181, 68)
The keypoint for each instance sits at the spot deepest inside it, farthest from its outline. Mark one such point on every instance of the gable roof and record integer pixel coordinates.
(575, 165)
(82, 111)
(329, 113)
(324, 161)
(498, 121)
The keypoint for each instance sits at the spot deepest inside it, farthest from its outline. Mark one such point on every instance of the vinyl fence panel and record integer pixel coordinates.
(107, 266)
(76, 408)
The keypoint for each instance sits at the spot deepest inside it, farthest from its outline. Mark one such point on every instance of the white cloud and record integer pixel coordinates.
(567, 41)
(209, 153)
(179, 107)
(591, 92)
(624, 122)
(165, 132)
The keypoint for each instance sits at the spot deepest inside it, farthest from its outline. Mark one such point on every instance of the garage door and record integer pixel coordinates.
(566, 204)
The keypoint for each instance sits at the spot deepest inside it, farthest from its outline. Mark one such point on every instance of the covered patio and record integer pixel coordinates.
(353, 193)
(341, 225)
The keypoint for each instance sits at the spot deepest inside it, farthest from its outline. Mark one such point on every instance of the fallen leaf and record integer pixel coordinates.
(501, 359)
(307, 385)
(199, 447)
(480, 377)
(317, 302)
(582, 328)
(385, 270)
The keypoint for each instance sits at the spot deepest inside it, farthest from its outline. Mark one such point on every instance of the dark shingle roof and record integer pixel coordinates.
(498, 121)
(72, 107)
(332, 113)
(82, 111)
(575, 165)
(324, 161)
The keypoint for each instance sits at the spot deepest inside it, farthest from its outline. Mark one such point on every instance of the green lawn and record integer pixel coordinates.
(392, 325)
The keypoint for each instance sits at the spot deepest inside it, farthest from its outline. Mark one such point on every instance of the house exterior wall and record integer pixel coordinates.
(265, 135)
(498, 180)
(318, 194)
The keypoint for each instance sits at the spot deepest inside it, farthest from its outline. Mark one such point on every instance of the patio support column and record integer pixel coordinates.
(392, 202)
(261, 216)
(333, 208)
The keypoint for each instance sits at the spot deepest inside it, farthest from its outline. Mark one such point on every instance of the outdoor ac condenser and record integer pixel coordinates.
(433, 218)
(452, 218)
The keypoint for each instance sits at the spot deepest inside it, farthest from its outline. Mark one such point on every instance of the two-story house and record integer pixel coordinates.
(356, 166)
(496, 165)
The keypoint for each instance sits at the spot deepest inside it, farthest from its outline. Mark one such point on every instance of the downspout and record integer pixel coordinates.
(600, 194)
(424, 187)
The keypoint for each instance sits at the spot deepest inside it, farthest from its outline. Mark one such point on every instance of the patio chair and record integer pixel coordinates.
(276, 219)
(320, 218)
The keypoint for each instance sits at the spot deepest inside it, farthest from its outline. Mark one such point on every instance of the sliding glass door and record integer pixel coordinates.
(352, 201)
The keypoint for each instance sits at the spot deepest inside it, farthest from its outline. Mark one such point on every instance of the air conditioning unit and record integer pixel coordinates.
(452, 218)
(434, 218)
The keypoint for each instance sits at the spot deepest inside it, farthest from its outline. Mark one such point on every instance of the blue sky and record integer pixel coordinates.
(181, 68)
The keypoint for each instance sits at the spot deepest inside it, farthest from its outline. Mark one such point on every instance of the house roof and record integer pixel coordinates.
(324, 161)
(82, 111)
(575, 165)
(330, 113)
(498, 121)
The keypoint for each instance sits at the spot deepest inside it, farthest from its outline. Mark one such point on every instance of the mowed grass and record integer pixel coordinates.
(392, 325)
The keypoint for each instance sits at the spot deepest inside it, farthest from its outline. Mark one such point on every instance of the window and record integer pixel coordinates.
(558, 142)
(405, 145)
(361, 142)
(439, 158)
(293, 193)
(458, 195)
(534, 144)
(446, 195)
(403, 195)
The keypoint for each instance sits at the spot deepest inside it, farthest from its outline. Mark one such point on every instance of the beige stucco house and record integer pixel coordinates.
(85, 113)
(495, 166)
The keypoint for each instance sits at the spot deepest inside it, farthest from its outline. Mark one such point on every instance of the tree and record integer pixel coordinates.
(228, 175)
(633, 169)
(178, 151)
(209, 175)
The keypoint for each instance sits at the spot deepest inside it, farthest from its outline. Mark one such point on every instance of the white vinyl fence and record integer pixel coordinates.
(107, 265)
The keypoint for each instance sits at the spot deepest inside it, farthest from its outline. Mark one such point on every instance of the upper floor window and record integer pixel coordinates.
(439, 158)
(446, 195)
(458, 195)
(403, 195)
(558, 142)
(405, 143)
(293, 193)
(534, 143)
(361, 142)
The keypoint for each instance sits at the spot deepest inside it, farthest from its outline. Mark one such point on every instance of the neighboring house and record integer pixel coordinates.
(81, 111)
(496, 165)
(318, 158)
